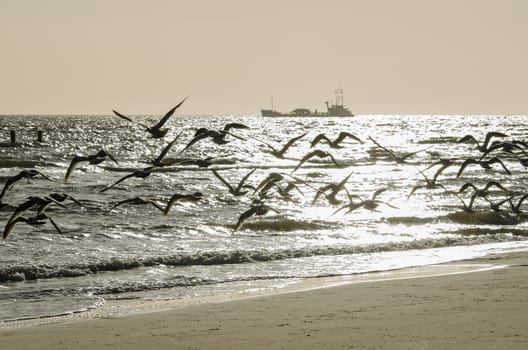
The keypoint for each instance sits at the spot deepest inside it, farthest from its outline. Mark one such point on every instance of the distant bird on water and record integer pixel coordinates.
(334, 143)
(96, 158)
(24, 174)
(157, 131)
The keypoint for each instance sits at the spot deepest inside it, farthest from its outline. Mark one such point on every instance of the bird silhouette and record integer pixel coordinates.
(96, 158)
(485, 164)
(484, 146)
(218, 136)
(257, 208)
(369, 204)
(336, 143)
(193, 197)
(137, 201)
(142, 174)
(317, 153)
(24, 174)
(279, 153)
(334, 188)
(398, 158)
(239, 189)
(158, 161)
(156, 131)
(37, 220)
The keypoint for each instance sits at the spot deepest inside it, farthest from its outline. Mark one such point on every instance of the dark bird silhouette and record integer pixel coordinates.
(398, 158)
(484, 146)
(158, 161)
(279, 153)
(96, 158)
(516, 208)
(479, 192)
(218, 136)
(142, 174)
(193, 197)
(369, 204)
(257, 208)
(137, 201)
(24, 174)
(334, 188)
(507, 147)
(485, 164)
(284, 192)
(35, 201)
(38, 220)
(431, 183)
(157, 131)
(317, 153)
(239, 190)
(201, 163)
(334, 143)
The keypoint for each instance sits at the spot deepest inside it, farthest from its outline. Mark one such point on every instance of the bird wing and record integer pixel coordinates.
(54, 224)
(195, 139)
(497, 160)
(241, 183)
(10, 225)
(491, 134)
(305, 158)
(290, 143)
(394, 155)
(333, 159)
(167, 149)
(465, 164)
(244, 216)
(342, 135)
(318, 139)
(465, 187)
(117, 182)
(128, 119)
(168, 115)
(231, 189)
(229, 126)
(496, 184)
(75, 161)
(111, 156)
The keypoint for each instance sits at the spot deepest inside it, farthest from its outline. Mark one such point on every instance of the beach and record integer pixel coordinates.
(486, 309)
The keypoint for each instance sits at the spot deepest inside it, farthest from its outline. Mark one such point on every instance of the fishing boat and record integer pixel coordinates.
(336, 109)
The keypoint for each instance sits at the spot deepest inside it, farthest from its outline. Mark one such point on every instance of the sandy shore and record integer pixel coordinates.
(479, 310)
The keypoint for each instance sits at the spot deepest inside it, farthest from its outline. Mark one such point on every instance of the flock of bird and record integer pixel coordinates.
(282, 183)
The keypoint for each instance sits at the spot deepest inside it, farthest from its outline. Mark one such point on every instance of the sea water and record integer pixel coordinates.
(137, 252)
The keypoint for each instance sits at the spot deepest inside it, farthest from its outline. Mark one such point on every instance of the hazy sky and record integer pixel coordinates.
(231, 56)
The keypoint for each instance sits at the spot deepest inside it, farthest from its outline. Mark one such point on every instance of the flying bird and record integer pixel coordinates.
(193, 197)
(398, 158)
(317, 153)
(239, 189)
(257, 208)
(369, 204)
(157, 131)
(218, 136)
(336, 143)
(142, 174)
(158, 161)
(24, 174)
(485, 164)
(334, 188)
(137, 201)
(279, 153)
(40, 219)
(96, 158)
(484, 146)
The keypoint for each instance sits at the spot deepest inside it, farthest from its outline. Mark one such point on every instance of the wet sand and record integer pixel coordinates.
(478, 310)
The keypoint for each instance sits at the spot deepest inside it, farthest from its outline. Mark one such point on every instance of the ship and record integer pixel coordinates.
(335, 110)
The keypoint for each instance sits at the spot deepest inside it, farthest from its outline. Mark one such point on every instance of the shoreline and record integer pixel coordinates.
(403, 308)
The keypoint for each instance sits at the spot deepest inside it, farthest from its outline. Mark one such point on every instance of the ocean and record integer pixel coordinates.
(135, 252)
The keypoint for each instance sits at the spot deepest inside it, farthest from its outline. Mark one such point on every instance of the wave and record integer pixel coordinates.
(19, 273)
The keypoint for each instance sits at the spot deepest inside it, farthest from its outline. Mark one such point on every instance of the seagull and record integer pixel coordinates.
(369, 204)
(41, 202)
(485, 164)
(484, 146)
(158, 161)
(40, 219)
(279, 153)
(238, 190)
(335, 143)
(91, 159)
(156, 131)
(193, 197)
(142, 173)
(24, 174)
(335, 188)
(430, 183)
(218, 136)
(479, 192)
(137, 201)
(316, 153)
(257, 208)
(399, 159)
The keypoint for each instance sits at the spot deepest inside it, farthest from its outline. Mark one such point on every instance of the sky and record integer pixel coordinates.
(232, 56)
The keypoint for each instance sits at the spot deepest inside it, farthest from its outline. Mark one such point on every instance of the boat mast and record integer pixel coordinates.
(339, 97)
(272, 107)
